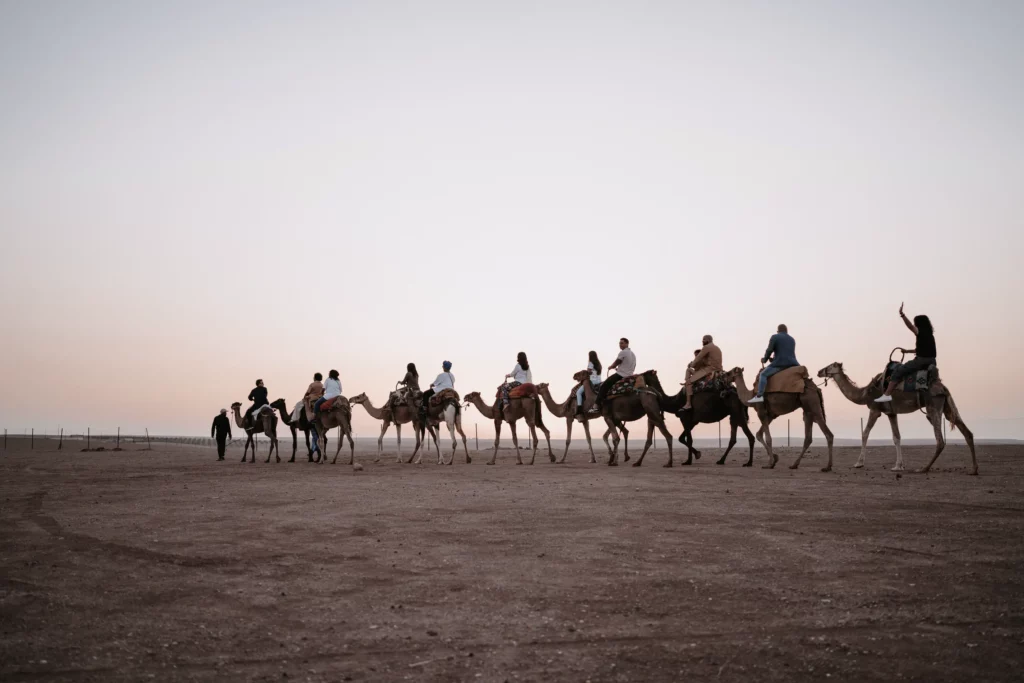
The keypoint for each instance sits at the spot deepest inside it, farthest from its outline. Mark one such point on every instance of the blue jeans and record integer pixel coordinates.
(316, 439)
(316, 406)
(580, 393)
(766, 373)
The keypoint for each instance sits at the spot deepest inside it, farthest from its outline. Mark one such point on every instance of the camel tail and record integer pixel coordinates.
(539, 415)
(952, 414)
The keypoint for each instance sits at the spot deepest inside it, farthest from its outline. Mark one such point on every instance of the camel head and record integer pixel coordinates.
(831, 370)
(361, 398)
(734, 374)
(236, 405)
(581, 375)
(471, 396)
(280, 405)
(542, 386)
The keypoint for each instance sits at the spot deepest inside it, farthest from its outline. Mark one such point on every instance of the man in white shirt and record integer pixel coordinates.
(624, 366)
(446, 380)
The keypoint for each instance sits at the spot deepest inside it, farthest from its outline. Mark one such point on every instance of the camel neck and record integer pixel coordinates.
(557, 409)
(850, 390)
(745, 394)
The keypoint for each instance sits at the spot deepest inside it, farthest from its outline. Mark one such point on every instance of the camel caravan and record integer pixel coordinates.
(708, 395)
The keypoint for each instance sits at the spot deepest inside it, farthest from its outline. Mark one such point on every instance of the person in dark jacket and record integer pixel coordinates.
(221, 430)
(924, 350)
(782, 354)
(258, 396)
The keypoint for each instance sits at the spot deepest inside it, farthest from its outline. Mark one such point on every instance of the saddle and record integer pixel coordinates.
(526, 390)
(443, 397)
(402, 397)
(922, 380)
(628, 385)
(788, 381)
(251, 420)
(713, 382)
(332, 403)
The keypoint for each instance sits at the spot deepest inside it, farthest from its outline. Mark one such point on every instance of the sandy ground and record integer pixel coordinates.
(168, 565)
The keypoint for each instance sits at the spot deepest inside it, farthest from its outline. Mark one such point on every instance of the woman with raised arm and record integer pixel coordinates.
(924, 352)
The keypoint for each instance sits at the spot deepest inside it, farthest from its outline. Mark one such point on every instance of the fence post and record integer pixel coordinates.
(719, 434)
(60, 444)
(148, 443)
(88, 438)
(118, 438)
(788, 444)
(476, 434)
(5, 439)
(32, 444)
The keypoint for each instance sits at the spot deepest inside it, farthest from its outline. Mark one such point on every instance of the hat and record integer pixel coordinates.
(447, 365)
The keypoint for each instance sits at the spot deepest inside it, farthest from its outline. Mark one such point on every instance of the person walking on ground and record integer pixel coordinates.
(782, 353)
(221, 430)
(624, 366)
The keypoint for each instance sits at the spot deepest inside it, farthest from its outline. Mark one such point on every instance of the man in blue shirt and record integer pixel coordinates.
(782, 353)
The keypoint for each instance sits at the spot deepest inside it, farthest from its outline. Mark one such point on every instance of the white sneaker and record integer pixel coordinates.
(883, 399)
(756, 399)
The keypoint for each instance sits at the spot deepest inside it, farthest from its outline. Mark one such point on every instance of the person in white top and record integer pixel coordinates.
(446, 380)
(624, 366)
(594, 367)
(332, 389)
(520, 375)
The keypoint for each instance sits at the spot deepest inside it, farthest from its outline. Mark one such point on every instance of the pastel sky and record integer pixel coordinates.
(196, 194)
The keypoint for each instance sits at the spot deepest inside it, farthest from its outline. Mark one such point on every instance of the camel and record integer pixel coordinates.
(340, 415)
(940, 403)
(400, 415)
(266, 423)
(710, 407)
(294, 425)
(450, 412)
(776, 404)
(567, 409)
(619, 410)
(527, 408)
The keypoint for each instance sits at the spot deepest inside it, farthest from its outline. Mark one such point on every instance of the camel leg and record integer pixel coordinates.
(515, 442)
(433, 436)
(808, 437)
(465, 446)
(728, 447)
(894, 423)
(547, 439)
(647, 444)
(820, 419)
(245, 449)
(613, 449)
(398, 435)
(531, 430)
(309, 446)
(351, 448)
(625, 441)
(416, 433)
(497, 439)
(750, 439)
(955, 420)
(451, 421)
(872, 419)
(295, 441)
(590, 445)
(935, 417)
(686, 438)
(568, 437)
(772, 458)
(380, 439)
(668, 439)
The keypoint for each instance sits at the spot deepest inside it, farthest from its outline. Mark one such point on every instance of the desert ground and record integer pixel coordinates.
(169, 565)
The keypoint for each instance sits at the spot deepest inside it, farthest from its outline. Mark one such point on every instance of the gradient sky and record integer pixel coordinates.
(196, 194)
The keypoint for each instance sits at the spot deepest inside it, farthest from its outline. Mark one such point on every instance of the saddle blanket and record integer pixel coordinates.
(628, 385)
(332, 403)
(403, 397)
(525, 390)
(444, 396)
(788, 381)
(922, 380)
(714, 382)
